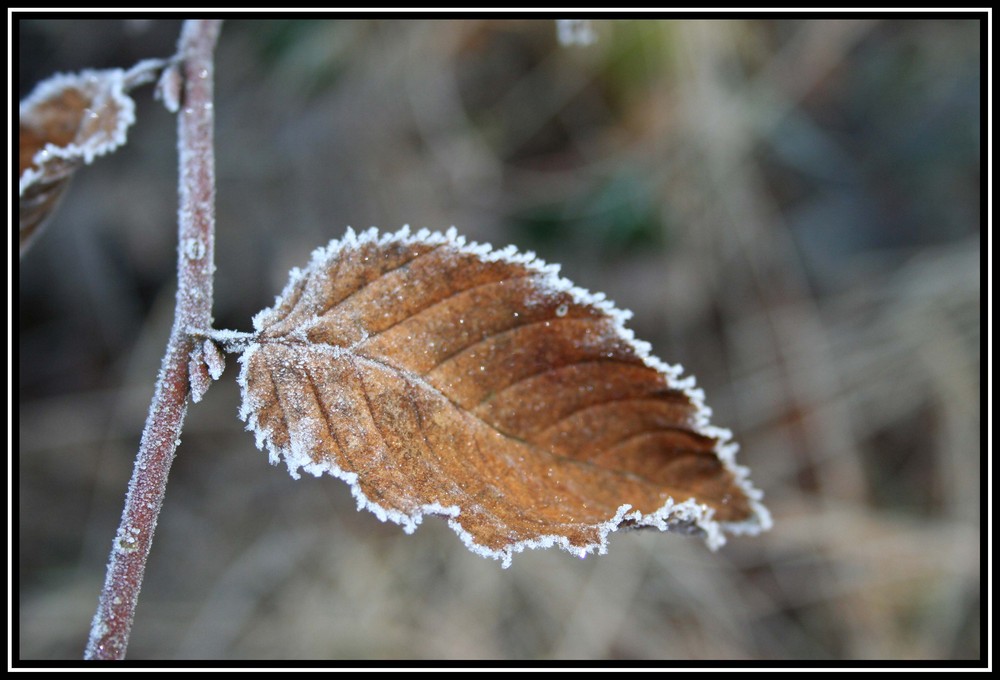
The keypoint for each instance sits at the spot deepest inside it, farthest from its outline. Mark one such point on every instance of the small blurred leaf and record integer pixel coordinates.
(67, 121)
(440, 377)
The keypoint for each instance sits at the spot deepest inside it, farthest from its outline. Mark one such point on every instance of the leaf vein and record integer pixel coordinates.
(323, 311)
(512, 329)
(622, 400)
(448, 297)
(326, 419)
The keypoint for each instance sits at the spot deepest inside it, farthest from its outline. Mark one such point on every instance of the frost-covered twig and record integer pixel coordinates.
(195, 264)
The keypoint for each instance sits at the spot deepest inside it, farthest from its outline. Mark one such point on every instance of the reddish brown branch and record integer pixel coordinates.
(195, 265)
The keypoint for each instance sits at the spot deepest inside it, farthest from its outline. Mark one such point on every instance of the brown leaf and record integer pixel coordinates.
(67, 121)
(440, 377)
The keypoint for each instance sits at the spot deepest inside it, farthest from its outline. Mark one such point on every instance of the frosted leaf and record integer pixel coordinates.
(68, 120)
(207, 364)
(169, 87)
(437, 376)
(214, 360)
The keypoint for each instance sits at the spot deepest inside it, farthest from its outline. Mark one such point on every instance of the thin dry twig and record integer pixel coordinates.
(195, 264)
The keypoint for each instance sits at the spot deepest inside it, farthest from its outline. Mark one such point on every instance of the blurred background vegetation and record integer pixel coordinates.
(791, 208)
